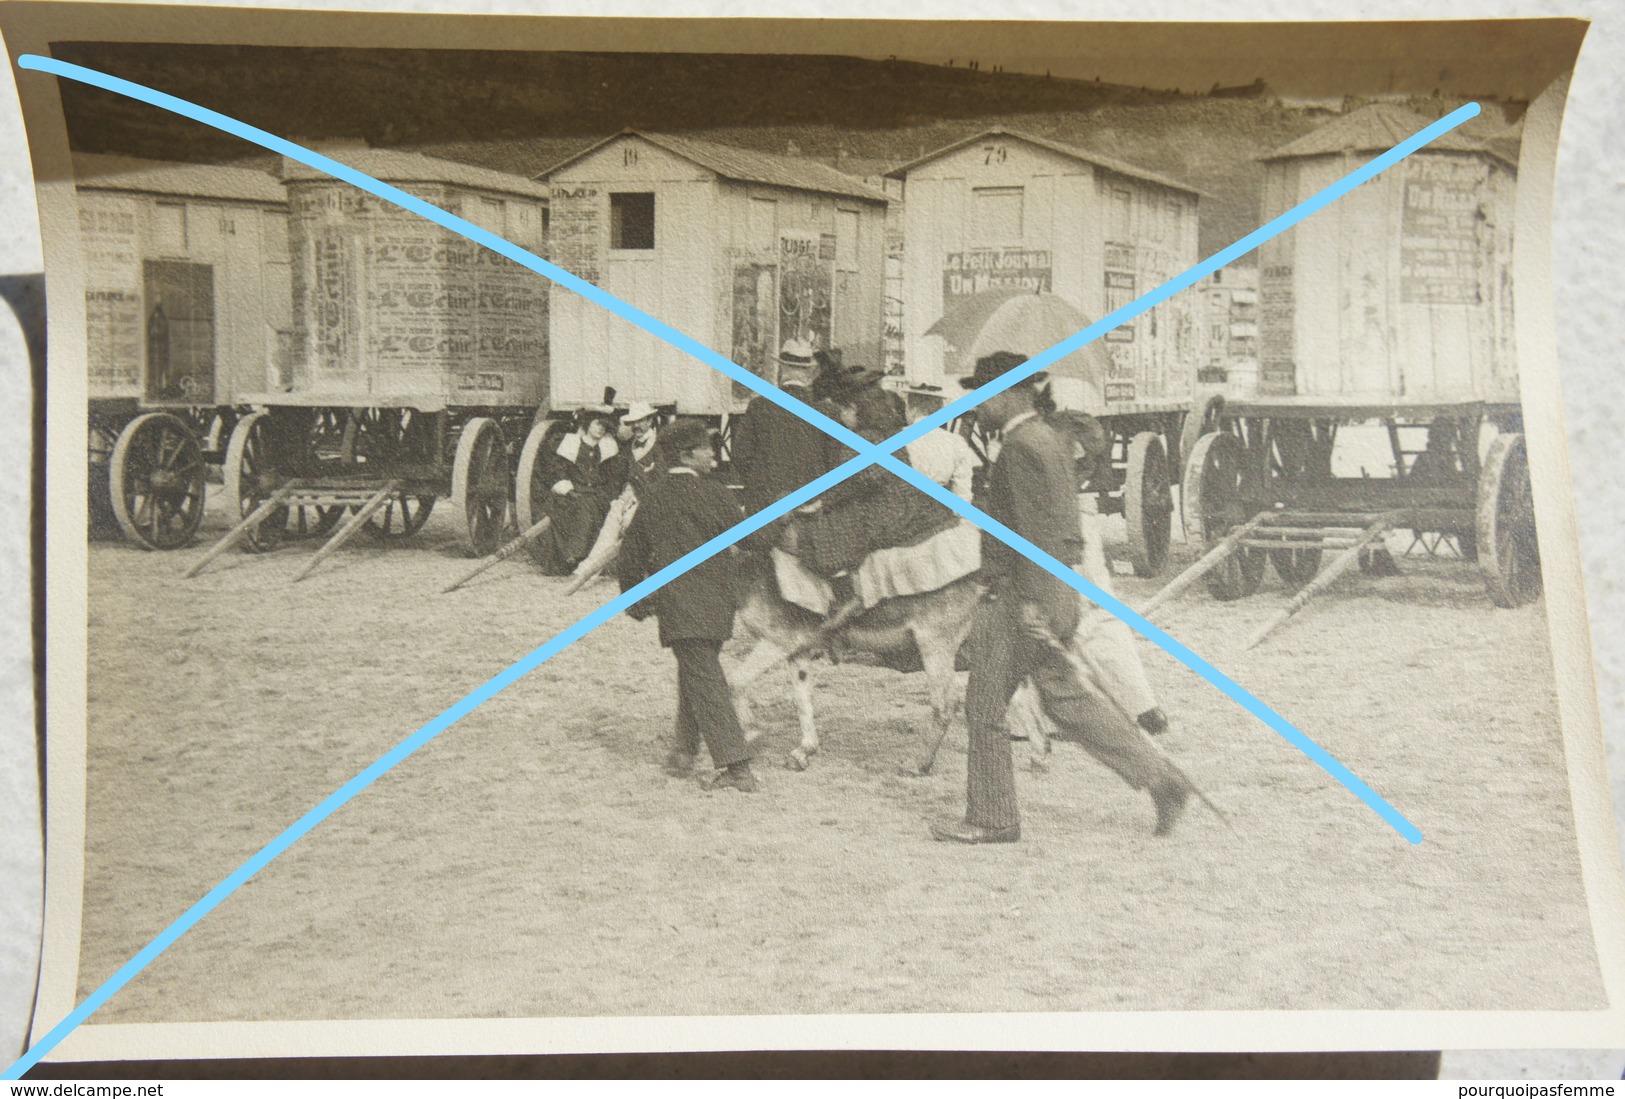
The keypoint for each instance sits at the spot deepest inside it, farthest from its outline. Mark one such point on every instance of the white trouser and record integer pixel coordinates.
(1103, 642)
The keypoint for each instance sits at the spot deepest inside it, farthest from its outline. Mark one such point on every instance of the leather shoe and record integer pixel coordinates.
(738, 776)
(960, 831)
(1153, 721)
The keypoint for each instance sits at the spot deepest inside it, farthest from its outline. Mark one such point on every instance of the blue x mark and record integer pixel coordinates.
(866, 454)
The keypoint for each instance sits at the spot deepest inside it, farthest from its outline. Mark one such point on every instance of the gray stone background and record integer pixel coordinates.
(1590, 295)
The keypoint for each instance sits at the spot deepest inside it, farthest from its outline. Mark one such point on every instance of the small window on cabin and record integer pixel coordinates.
(632, 220)
(997, 215)
(169, 228)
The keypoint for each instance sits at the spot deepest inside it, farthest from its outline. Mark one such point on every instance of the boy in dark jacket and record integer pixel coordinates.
(679, 511)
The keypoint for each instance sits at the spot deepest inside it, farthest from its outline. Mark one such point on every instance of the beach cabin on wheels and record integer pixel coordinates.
(1004, 214)
(742, 250)
(1402, 288)
(1386, 316)
(187, 306)
(416, 357)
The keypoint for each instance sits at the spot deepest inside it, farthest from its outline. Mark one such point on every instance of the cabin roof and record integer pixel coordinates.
(93, 171)
(401, 166)
(1111, 164)
(1376, 128)
(743, 165)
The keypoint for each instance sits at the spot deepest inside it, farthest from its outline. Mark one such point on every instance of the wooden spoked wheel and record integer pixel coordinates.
(1148, 503)
(1217, 490)
(1452, 451)
(480, 485)
(156, 481)
(531, 492)
(264, 452)
(1508, 550)
(253, 472)
(1296, 566)
(385, 439)
(1202, 420)
(103, 437)
(315, 520)
(402, 515)
(1300, 453)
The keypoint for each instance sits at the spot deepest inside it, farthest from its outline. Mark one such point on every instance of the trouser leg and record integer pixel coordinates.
(688, 724)
(990, 781)
(1082, 716)
(1115, 664)
(705, 703)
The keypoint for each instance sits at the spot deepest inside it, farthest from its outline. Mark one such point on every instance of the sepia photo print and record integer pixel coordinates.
(870, 768)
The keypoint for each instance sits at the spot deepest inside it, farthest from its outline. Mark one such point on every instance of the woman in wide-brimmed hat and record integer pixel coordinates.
(578, 481)
(873, 508)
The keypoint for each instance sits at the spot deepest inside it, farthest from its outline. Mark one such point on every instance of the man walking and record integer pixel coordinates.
(1029, 618)
(679, 511)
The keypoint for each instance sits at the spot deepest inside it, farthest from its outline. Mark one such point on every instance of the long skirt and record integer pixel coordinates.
(838, 538)
(576, 522)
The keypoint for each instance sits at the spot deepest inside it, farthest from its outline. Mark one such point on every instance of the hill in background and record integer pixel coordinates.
(524, 112)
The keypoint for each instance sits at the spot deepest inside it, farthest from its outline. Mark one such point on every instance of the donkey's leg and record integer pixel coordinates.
(801, 684)
(761, 657)
(942, 684)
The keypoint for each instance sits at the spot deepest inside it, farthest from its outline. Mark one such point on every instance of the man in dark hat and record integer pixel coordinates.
(679, 511)
(1028, 620)
(775, 451)
(831, 376)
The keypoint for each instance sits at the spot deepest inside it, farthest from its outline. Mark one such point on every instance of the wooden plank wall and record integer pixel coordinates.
(676, 281)
(244, 246)
(1095, 226)
(1400, 289)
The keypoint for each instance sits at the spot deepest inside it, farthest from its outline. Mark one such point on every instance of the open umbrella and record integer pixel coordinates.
(967, 316)
(1027, 322)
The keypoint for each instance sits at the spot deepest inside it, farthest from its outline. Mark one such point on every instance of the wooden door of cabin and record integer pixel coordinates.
(180, 337)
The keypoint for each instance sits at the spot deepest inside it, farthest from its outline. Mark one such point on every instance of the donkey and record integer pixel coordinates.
(906, 632)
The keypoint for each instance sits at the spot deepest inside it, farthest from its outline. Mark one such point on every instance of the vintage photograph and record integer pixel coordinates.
(345, 465)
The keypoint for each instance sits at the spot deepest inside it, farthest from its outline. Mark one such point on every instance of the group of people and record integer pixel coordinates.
(588, 473)
(1024, 627)
(774, 452)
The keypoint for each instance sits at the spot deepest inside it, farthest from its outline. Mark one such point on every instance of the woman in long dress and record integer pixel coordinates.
(874, 508)
(580, 478)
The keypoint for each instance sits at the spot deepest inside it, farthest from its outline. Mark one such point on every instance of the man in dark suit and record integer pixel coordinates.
(1029, 617)
(774, 451)
(679, 511)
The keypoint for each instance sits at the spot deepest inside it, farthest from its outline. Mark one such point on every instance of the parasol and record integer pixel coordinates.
(1026, 322)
